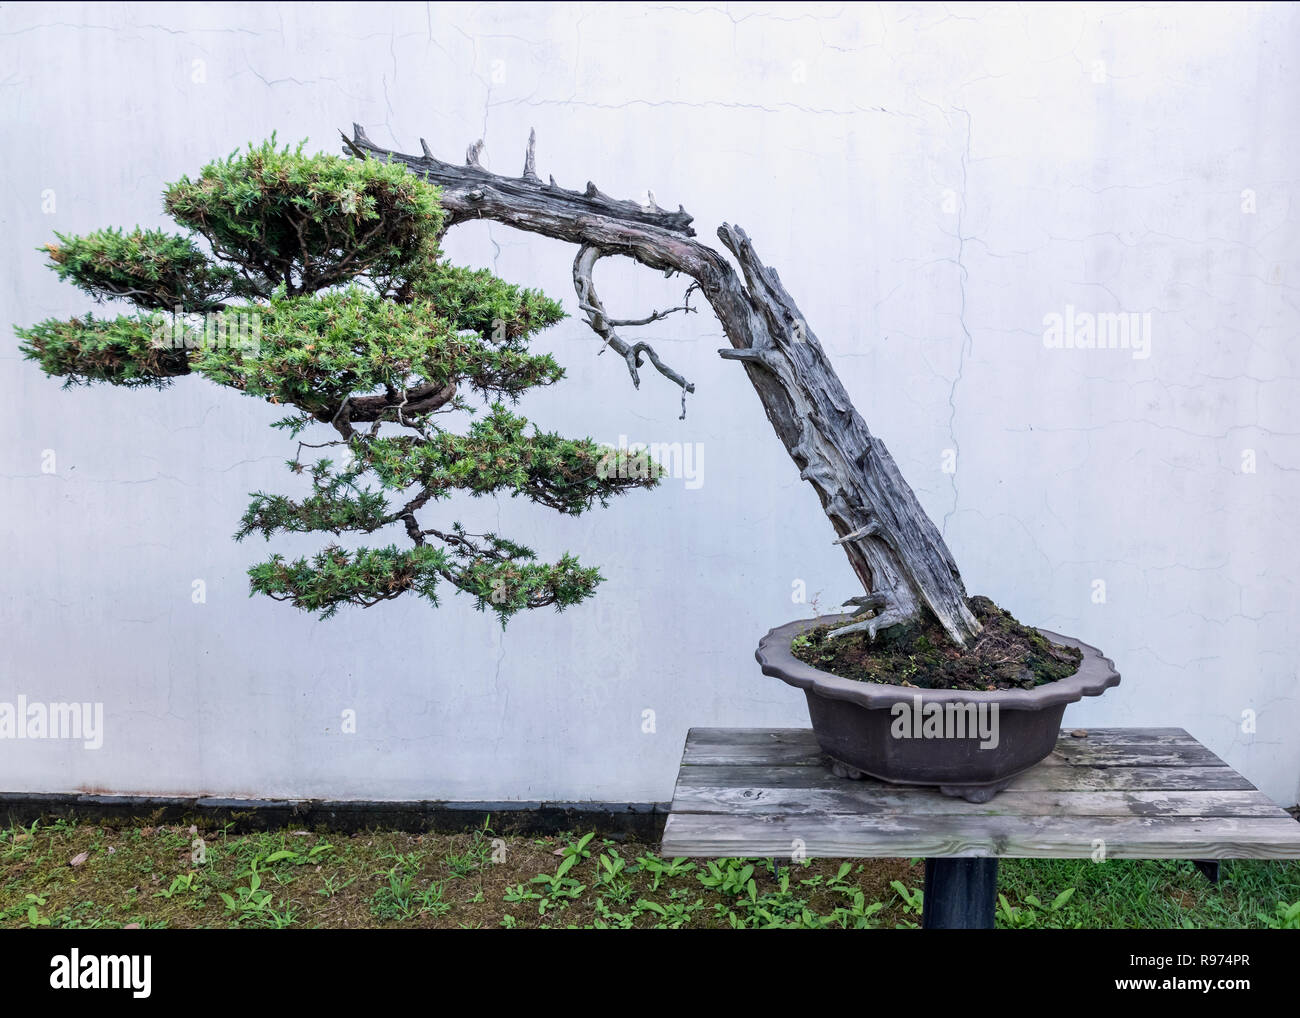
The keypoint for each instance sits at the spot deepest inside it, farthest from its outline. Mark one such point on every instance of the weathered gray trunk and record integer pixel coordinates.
(897, 552)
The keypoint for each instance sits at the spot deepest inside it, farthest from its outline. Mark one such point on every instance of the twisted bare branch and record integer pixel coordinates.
(604, 326)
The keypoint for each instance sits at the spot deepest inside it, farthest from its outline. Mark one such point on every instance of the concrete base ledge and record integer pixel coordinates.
(633, 820)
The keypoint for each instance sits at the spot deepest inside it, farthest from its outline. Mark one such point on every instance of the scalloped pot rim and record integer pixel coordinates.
(1096, 674)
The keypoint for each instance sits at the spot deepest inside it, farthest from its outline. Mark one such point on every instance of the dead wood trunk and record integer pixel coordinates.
(897, 552)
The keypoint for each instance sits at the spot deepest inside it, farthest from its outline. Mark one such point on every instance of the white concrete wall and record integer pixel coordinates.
(931, 182)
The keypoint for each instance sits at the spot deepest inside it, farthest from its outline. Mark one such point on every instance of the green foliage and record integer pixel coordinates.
(316, 352)
(499, 574)
(334, 577)
(1285, 917)
(1031, 912)
(152, 268)
(181, 884)
(661, 869)
(311, 222)
(913, 898)
(475, 299)
(120, 351)
(730, 876)
(253, 905)
(497, 455)
(398, 898)
(472, 859)
(316, 282)
(556, 889)
(515, 582)
(336, 504)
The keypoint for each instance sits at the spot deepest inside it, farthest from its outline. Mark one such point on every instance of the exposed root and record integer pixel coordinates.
(873, 624)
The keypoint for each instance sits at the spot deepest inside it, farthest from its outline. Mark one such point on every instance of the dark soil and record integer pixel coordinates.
(1006, 654)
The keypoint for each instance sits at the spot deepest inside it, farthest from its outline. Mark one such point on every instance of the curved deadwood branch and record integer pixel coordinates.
(894, 548)
(657, 316)
(604, 326)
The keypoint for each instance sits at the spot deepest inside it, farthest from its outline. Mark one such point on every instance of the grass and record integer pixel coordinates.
(72, 875)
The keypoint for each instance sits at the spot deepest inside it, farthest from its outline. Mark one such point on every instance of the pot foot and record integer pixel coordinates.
(845, 771)
(974, 793)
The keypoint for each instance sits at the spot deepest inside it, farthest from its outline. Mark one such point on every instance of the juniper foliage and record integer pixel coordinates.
(316, 283)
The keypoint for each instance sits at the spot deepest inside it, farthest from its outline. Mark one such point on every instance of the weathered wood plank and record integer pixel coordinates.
(1131, 736)
(755, 756)
(798, 747)
(1101, 754)
(877, 799)
(750, 737)
(804, 736)
(797, 754)
(791, 747)
(853, 836)
(1058, 779)
(1172, 779)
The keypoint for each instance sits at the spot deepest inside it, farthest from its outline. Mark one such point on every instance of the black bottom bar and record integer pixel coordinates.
(960, 894)
(641, 820)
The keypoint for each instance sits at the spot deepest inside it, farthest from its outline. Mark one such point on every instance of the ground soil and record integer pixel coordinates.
(1005, 655)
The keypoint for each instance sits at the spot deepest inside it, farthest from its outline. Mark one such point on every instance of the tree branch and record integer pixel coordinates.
(603, 325)
(892, 545)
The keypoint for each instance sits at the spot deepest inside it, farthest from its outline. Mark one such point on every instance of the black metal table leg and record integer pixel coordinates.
(960, 894)
(1209, 868)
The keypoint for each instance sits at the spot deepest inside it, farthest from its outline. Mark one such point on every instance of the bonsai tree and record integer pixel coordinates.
(331, 296)
(360, 325)
(316, 282)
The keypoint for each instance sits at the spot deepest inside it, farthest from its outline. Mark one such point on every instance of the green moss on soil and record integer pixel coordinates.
(1006, 654)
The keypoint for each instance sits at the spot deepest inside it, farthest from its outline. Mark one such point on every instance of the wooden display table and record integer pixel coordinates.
(1116, 793)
